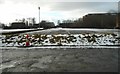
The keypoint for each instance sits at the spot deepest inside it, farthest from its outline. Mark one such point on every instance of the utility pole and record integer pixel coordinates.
(39, 16)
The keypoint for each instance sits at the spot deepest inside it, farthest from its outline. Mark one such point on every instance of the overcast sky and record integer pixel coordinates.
(53, 10)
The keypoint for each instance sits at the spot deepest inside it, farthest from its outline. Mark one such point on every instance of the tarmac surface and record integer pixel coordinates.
(59, 60)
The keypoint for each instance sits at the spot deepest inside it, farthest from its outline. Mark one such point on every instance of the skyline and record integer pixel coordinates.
(52, 11)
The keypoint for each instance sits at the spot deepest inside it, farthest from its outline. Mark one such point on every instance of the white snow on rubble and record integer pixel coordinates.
(64, 37)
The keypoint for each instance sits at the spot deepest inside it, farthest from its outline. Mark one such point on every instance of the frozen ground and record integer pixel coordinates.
(13, 30)
(77, 50)
(59, 59)
(74, 31)
(63, 36)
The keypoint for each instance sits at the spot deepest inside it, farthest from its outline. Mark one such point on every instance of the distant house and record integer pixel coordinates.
(45, 24)
(66, 25)
(35, 25)
(1, 25)
(18, 25)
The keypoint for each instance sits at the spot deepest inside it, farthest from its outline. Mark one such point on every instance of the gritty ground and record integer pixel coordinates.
(59, 60)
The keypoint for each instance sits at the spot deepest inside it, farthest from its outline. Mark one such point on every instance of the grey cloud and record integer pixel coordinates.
(97, 6)
(69, 6)
(34, 2)
(1, 1)
(21, 1)
(119, 6)
(65, 0)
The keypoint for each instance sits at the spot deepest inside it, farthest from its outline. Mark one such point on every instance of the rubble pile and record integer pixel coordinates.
(60, 39)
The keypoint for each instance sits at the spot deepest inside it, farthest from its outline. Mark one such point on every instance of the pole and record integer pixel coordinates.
(39, 16)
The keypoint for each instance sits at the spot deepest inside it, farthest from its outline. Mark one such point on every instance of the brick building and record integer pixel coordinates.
(103, 20)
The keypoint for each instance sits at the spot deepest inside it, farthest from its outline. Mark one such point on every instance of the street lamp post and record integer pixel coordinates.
(39, 16)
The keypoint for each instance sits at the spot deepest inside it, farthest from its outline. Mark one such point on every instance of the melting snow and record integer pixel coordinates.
(59, 37)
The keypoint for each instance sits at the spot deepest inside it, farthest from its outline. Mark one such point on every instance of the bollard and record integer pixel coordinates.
(27, 36)
(27, 40)
(27, 43)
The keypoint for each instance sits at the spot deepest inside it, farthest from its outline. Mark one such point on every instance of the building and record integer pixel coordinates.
(102, 20)
(118, 16)
(118, 21)
(45, 24)
(18, 25)
(66, 25)
(30, 21)
(2, 25)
